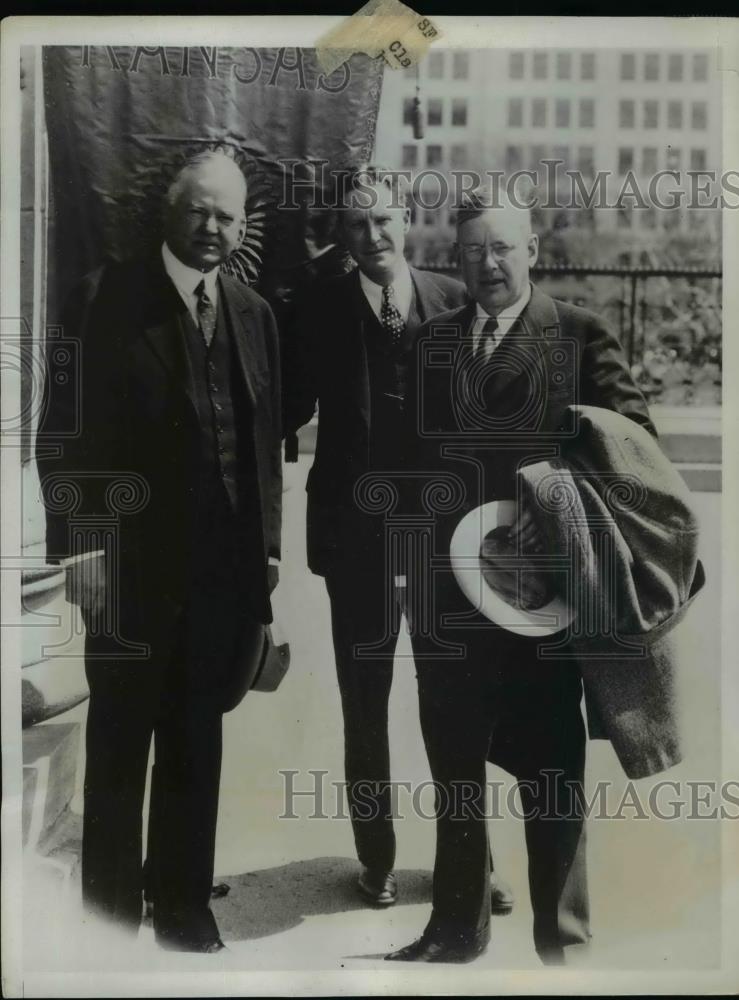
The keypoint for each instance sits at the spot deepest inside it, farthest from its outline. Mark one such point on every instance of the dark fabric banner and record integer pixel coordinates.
(120, 120)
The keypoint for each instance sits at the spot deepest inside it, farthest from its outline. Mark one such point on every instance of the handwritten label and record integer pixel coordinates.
(382, 28)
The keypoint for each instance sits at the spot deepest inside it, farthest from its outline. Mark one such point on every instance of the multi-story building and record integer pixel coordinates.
(614, 111)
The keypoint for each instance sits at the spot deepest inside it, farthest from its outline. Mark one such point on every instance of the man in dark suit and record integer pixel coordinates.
(487, 392)
(350, 356)
(172, 537)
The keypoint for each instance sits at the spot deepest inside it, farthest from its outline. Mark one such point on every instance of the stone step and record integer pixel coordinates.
(50, 754)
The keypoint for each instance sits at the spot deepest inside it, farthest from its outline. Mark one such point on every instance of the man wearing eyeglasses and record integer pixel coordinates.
(488, 387)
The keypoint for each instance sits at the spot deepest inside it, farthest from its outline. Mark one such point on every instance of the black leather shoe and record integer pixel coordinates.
(432, 948)
(195, 932)
(205, 947)
(501, 896)
(380, 888)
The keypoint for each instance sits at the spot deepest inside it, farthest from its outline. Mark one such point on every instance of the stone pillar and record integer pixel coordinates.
(52, 675)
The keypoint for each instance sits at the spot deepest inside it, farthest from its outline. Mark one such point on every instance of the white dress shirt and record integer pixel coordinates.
(402, 286)
(186, 280)
(505, 319)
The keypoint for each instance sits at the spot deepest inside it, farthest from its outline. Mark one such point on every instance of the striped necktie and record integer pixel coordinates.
(486, 343)
(206, 314)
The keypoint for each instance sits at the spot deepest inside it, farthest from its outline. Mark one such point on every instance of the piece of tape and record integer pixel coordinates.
(384, 28)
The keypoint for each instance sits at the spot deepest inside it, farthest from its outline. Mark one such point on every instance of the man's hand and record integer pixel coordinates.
(85, 584)
(273, 576)
(524, 533)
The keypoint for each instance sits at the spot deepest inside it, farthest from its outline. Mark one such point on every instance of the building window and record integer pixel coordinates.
(698, 159)
(538, 153)
(461, 65)
(459, 111)
(515, 111)
(410, 156)
(430, 216)
(628, 66)
(408, 110)
(626, 114)
(515, 65)
(674, 114)
(651, 114)
(459, 155)
(675, 67)
(541, 60)
(699, 115)
(651, 66)
(564, 65)
(586, 161)
(562, 153)
(436, 65)
(674, 158)
(562, 112)
(625, 159)
(434, 111)
(538, 112)
(649, 161)
(513, 158)
(587, 112)
(433, 156)
(700, 66)
(587, 66)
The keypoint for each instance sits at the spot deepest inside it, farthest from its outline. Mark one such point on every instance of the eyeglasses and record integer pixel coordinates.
(476, 251)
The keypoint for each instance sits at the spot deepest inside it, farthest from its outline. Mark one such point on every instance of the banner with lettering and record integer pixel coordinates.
(120, 120)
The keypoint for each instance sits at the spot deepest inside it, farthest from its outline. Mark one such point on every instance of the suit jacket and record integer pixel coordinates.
(639, 585)
(131, 399)
(480, 422)
(330, 367)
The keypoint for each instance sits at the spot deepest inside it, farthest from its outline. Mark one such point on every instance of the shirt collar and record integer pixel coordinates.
(186, 279)
(402, 288)
(509, 315)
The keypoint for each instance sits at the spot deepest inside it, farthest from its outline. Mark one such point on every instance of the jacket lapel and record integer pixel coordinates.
(430, 299)
(163, 315)
(524, 349)
(242, 321)
(351, 347)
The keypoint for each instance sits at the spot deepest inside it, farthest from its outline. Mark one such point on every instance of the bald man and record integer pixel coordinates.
(179, 385)
(488, 388)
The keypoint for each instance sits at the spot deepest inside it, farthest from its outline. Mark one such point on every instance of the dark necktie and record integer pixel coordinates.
(206, 314)
(487, 341)
(390, 315)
